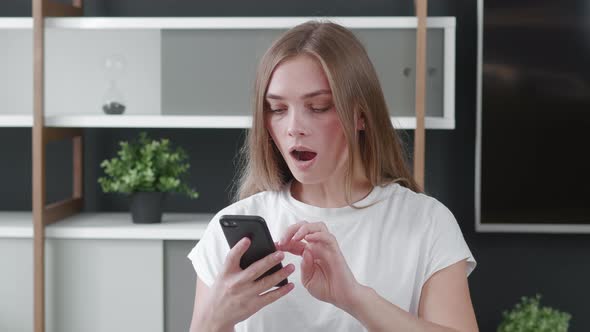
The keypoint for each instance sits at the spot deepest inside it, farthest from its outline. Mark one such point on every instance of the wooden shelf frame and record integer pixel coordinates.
(43, 213)
(419, 134)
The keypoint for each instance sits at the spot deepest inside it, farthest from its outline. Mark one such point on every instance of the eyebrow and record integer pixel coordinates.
(305, 96)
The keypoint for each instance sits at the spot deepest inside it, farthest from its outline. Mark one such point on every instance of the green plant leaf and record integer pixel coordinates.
(528, 316)
(146, 165)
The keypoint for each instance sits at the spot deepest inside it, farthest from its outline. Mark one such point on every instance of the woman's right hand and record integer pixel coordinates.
(235, 295)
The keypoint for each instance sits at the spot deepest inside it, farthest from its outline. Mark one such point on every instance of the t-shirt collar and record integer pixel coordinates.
(311, 211)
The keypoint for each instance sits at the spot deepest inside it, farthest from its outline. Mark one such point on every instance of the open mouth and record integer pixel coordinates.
(303, 155)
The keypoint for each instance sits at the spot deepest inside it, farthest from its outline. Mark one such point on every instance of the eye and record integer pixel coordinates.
(320, 109)
(276, 110)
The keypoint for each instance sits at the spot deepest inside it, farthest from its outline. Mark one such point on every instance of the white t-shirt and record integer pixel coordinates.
(393, 246)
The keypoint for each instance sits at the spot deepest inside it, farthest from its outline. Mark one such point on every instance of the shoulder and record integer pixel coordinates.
(409, 212)
(411, 203)
(433, 220)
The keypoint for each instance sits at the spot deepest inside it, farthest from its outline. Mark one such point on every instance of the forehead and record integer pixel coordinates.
(298, 76)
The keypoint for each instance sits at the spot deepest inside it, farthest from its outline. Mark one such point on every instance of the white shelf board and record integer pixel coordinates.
(359, 22)
(16, 224)
(16, 23)
(178, 121)
(174, 226)
(197, 121)
(147, 121)
(16, 120)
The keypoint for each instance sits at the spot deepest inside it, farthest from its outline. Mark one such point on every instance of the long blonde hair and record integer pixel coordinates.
(356, 91)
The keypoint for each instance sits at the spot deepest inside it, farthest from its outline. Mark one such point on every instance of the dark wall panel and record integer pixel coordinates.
(15, 169)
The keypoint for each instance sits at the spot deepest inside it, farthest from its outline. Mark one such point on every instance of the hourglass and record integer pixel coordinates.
(113, 101)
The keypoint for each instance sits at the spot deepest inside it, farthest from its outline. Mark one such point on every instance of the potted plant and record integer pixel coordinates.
(528, 316)
(147, 170)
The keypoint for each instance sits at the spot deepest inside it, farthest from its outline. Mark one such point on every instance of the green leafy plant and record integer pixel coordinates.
(528, 316)
(146, 165)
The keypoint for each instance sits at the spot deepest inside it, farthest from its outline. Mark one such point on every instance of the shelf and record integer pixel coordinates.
(369, 22)
(147, 121)
(167, 56)
(178, 121)
(174, 226)
(16, 23)
(187, 121)
(16, 120)
(16, 224)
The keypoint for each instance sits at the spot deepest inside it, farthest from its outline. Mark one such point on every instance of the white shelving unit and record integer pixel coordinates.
(107, 248)
(84, 113)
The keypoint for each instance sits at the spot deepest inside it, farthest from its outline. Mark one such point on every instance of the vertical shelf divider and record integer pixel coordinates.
(44, 214)
(419, 134)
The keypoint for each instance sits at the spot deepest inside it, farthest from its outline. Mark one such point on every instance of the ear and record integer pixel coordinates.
(360, 121)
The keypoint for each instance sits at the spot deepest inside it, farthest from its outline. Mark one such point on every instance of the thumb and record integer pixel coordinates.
(232, 261)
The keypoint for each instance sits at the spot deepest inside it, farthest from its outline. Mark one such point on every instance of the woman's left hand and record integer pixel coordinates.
(324, 271)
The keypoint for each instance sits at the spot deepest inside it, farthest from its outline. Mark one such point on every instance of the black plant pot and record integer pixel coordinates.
(146, 207)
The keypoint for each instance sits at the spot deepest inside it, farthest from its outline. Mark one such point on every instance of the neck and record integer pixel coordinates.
(329, 196)
(332, 192)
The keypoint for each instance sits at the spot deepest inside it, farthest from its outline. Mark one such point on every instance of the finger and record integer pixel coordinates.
(262, 265)
(290, 231)
(322, 237)
(272, 280)
(232, 260)
(308, 229)
(321, 253)
(325, 253)
(294, 247)
(306, 267)
(270, 297)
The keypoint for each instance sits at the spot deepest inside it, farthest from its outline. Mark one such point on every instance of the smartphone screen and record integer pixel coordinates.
(236, 227)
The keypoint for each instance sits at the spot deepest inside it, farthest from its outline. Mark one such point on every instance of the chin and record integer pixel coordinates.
(306, 178)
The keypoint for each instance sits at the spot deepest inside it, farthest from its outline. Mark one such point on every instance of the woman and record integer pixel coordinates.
(326, 170)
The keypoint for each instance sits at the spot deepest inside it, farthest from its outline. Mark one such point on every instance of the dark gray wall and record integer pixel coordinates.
(510, 265)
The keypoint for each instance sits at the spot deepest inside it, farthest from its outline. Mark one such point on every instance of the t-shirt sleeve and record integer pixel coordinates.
(209, 253)
(447, 245)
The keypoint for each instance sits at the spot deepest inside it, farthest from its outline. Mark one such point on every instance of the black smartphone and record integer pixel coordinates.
(236, 227)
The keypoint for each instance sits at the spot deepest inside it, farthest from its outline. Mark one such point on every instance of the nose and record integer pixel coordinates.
(296, 125)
